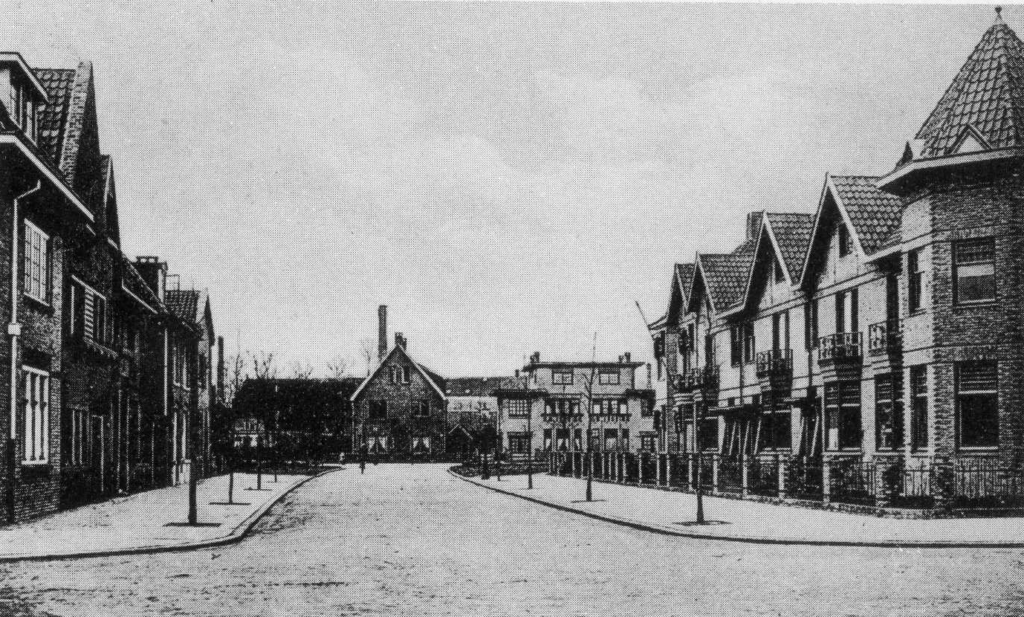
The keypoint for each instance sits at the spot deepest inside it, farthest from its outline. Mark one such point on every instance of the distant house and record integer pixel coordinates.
(401, 407)
(307, 417)
(472, 404)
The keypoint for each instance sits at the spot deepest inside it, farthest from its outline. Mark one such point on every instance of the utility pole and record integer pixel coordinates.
(193, 412)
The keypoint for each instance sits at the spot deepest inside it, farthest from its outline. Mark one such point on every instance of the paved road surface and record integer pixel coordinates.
(411, 540)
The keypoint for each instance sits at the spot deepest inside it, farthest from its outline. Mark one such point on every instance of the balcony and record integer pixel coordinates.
(885, 337)
(562, 418)
(702, 378)
(840, 348)
(774, 363)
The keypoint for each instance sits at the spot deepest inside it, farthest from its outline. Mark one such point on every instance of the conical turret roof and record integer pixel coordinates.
(983, 108)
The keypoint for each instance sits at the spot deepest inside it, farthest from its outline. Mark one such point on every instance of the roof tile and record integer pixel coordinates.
(874, 213)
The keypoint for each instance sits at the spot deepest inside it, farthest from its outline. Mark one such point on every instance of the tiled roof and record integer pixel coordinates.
(726, 274)
(792, 232)
(987, 95)
(874, 213)
(183, 303)
(52, 116)
(684, 272)
(478, 386)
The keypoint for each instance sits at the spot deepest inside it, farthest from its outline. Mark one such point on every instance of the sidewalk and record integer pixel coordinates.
(748, 521)
(147, 522)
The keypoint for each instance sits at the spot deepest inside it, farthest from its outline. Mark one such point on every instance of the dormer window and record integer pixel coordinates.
(22, 108)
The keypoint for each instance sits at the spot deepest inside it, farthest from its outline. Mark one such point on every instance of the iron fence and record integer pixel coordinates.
(852, 481)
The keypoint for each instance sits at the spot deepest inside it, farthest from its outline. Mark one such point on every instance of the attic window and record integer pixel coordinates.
(845, 244)
(22, 108)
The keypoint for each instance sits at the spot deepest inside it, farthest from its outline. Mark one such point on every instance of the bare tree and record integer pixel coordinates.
(264, 365)
(588, 399)
(236, 375)
(367, 351)
(302, 370)
(337, 367)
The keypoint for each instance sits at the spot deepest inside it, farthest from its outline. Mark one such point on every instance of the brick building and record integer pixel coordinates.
(82, 420)
(874, 347)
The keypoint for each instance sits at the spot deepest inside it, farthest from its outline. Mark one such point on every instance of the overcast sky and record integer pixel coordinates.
(508, 178)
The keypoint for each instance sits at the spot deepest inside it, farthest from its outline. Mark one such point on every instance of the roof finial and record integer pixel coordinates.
(999, 14)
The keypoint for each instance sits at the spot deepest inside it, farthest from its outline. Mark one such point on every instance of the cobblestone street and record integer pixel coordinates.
(413, 540)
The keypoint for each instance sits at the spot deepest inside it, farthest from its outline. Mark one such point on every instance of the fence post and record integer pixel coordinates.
(883, 483)
(668, 470)
(943, 482)
(781, 467)
(639, 468)
(826, 481)
(715, 460)
(691, 464)
(657, 469)
(745, 481)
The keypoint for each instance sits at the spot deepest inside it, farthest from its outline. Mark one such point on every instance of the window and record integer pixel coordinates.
(421, 408)
(561, 378)
(842, 415)
(595, 439)
(76, 309)
(915, 278)
(102, 326)
(37, 411)
(735, 346)
(775, 432)
(749, 350)
(974, 270)
(75, 437)
(517, 408)
(648, 443)
(977, 401)
(559, 408)
(37, 263)
(624, 442)
(810, 325)
(547, 440)
(519, 443)
(919, 407)
(611, 439)
(889, 411)
(609, 407)
(378, 410)
(608, 378)
(406, 374)
(708, 434)
(421, 444)
(845, 242)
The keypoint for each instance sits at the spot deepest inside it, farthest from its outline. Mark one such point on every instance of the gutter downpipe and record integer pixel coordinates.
(14, 331)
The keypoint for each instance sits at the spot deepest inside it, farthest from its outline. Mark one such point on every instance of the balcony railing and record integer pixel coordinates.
(885, 337)
(562, 418)
(775, 363)
(840, 346)
(703, 378)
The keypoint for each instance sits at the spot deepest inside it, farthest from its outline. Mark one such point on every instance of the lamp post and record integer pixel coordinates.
(697, 418)
(529, 446)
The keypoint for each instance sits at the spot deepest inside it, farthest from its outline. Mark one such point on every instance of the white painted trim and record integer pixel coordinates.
(943, 161)
(380, 365)
(138, 299)
(86, 285)
(13, 56)
(50, 175)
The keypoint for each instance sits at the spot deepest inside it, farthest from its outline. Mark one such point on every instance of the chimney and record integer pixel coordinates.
(400, 340)
(753, 224)
(628, 356)
(382, 332)
(154, 272)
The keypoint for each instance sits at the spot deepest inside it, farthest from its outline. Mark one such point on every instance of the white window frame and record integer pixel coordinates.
(558, 377)
(37, 263)
(608, 378)
(36, 408)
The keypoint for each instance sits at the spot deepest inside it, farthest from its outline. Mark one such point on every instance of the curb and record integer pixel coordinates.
(666, 531)
(237, 534)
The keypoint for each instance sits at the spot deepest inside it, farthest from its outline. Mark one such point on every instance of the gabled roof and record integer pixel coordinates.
(431, 378)
(682, 277)
(794, 229)
(986, 97)
(53, 115)
(183, 303)
(791, 232)
(725, 275)
(874, 213)
(872, 216)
